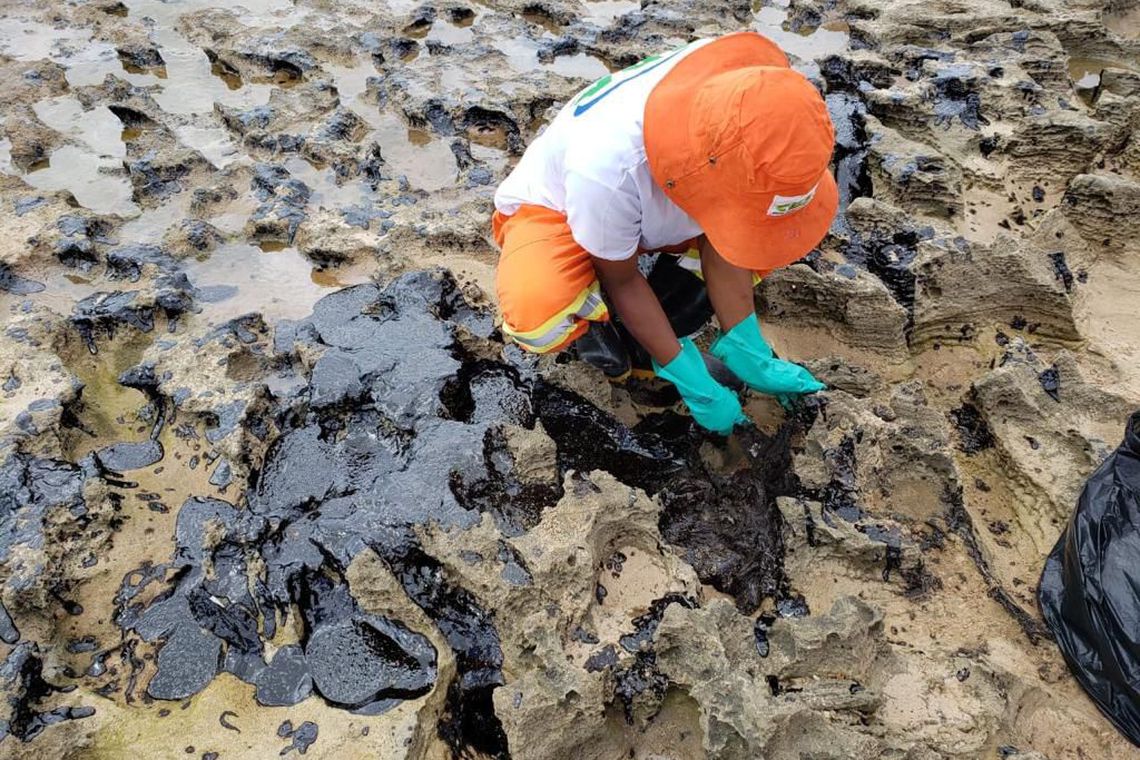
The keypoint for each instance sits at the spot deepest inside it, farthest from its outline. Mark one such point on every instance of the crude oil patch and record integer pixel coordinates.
(727, 526)
(355, 463)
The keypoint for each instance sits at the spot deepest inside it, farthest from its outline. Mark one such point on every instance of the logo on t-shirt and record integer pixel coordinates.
(782, 205)
(590, 96)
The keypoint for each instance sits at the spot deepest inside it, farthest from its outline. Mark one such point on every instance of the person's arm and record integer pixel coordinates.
(730, 287)
(638, 307)
(679, 361)
(740, 344)
(607, 221)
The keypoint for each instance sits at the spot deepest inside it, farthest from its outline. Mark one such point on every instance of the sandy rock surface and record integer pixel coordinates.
(271, 482)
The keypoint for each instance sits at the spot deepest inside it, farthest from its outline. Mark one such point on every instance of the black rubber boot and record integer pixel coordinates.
(603, 347)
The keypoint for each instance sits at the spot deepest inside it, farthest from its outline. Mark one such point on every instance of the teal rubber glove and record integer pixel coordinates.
(745, 352)
(713, 406)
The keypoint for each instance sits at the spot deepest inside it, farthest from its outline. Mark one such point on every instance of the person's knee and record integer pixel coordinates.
(545, 314)
(529, 296)
(545, 281)
(525, 301)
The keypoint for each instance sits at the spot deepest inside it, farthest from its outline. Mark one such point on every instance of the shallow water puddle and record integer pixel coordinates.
(401, 7)
(191, 84)
(63, 287)
(521, 51)
(494, 156)
(87, 61)
(98, 129)
(34, 41)
(240, 278)
(106, 406)
(253, 12)
(578, 65)
(214, 143)
(605, 12)
(522, 54)
(807, 45)
(1085, 72)
(326, 192)
(98, 182)
(537, 16)
(236, 278)
(152, 224)
(351, 81)
(91, 168)
(451, 33)
(426, 161)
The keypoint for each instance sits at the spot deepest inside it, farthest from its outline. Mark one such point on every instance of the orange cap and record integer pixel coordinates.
(741, 143)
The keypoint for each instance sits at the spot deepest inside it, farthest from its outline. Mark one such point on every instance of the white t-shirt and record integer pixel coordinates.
(590, 165)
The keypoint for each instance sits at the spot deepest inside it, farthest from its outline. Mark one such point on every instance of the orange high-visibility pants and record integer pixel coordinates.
(548, 292)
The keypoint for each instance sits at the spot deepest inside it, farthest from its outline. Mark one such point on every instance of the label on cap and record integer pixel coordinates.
(782, 205)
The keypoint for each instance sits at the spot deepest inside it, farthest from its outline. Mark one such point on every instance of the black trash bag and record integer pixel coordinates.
(1090, 588)
(683, 298)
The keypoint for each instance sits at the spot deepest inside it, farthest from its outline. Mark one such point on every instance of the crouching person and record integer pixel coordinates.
(718, 152)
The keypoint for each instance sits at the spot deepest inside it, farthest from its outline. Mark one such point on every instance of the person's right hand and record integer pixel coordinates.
(713, 406)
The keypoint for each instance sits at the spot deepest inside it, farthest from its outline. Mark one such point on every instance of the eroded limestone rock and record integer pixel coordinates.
(860, 310)
(1052, 426)
(745, 711)
(961, 286)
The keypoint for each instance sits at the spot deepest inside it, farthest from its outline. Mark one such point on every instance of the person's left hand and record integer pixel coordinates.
(745, 352)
